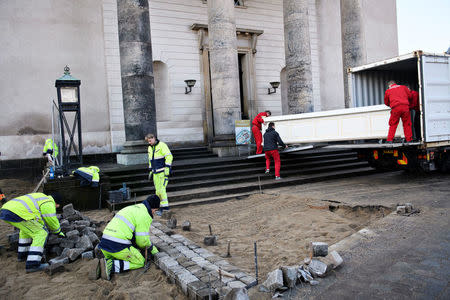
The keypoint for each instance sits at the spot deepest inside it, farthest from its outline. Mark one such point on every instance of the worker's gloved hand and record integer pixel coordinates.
(167, 171)
(154, 250)
(61, 234)
(150, 176)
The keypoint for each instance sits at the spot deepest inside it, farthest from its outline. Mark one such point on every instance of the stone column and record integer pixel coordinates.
(224, 66)
(298, 56)
(353, 46)
(136, 69)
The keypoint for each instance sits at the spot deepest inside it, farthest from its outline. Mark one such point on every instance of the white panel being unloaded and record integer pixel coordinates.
(360, 123)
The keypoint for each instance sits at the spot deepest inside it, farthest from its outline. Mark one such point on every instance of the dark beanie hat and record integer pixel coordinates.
(57, 197)
(151, 202)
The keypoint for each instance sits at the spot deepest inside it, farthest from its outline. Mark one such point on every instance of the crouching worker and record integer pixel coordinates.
(34, 214)
(130, 224)
(89, 176)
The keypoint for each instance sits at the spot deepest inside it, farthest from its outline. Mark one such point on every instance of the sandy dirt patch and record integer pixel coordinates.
(282, 225)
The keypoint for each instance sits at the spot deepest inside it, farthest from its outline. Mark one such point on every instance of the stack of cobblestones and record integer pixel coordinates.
(319, 264)
(196, 270)
(81, 236)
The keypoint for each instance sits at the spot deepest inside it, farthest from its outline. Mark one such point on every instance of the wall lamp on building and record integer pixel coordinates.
(190, 84)
(275, 85)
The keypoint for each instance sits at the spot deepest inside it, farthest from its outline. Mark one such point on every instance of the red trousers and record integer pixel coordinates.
(276, 158)
(258, 139)
(398, 112)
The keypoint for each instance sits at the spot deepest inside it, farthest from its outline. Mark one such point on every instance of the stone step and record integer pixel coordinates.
(207, 165)
(141, 179)
(248, 187)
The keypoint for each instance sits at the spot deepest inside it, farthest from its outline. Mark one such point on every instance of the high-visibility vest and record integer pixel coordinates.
(36, 206)
(159, 157)
(89, 173)
(50, 147)
(131, 221)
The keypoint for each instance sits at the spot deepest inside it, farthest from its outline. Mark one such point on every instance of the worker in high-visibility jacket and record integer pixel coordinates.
(130, 224)
(50, 148)
(35, 215)
(88, 175)
(160, 164)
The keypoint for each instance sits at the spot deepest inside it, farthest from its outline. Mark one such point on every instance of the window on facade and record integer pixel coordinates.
(236, 2)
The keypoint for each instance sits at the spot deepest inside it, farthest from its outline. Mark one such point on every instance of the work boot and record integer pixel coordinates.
(267, 172)
(41, 267)
(277, 178)
(106, 266)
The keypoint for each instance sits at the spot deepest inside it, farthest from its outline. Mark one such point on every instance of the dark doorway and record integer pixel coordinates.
(244, 106)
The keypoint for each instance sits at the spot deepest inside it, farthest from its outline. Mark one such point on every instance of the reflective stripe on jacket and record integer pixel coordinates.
(159, 157)
(130, 222)
(36, 206)
(89, 173)
(50, 147)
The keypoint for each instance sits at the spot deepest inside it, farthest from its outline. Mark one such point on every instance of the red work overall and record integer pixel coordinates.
(276, 158)
(398, 98)
(256, 129)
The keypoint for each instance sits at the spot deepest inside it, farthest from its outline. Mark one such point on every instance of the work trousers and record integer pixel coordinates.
(415, 124)
(258, 139)
(32, 238)
(398, 112)
(126, 259)
(276, 158)
(160, 182)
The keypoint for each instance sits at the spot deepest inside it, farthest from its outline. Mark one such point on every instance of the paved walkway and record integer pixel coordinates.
(399, 257)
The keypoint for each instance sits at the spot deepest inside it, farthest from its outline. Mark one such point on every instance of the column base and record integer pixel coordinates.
(133, 153)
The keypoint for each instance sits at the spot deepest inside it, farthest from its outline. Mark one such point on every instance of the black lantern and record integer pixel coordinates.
(275, 85)
(68, 90)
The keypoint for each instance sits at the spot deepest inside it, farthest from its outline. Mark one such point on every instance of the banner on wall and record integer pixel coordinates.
(242, 130)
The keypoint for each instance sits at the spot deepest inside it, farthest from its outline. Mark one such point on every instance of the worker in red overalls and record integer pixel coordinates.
(415, 114)
(256, 129)
(398, 97)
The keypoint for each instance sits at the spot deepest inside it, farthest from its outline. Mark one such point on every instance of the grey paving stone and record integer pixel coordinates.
(74, 253)
(72, 233)
(247, 279)
(165, 262)
(188, 264)
(213, 258)
(85, 243)
(274, 280)
(87, 255)
(319, 249)
(194, 287)
(236, 284)
(289, 275)
(205, 294)
(184, 279)
(186, 226)
(67, 244)
(182, 259)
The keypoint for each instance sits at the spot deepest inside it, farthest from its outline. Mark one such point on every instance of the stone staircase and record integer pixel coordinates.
(200, 176)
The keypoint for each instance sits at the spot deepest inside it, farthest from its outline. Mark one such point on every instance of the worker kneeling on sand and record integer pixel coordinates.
(130, 225)
(34, 214)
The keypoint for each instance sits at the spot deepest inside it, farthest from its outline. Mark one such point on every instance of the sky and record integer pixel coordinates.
(423, 25)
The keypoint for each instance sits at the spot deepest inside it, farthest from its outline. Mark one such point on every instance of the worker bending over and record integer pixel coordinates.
(160, 164)
(130, 225)
(35, 215)
(398, 97)
(256, 129)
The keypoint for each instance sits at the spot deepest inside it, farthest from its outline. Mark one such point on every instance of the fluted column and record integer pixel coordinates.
(136, 69)
(353, 46)
(224, 66)
(298, 56)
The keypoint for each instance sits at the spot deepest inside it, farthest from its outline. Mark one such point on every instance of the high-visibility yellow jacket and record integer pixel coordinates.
(89, 173)
(130, 223)
(50, 147)
(159, 158)
(36, 206)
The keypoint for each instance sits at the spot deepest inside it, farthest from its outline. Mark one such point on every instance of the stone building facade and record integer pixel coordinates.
(305, 44)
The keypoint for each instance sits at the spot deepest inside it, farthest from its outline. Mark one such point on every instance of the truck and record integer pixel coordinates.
(364, 125)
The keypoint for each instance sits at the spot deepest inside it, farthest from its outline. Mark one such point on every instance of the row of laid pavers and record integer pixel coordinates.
(198, 272)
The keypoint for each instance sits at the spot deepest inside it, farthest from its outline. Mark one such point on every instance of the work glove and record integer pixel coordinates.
(166, 171)
(61, 234)
(150, 176)
(153, 251)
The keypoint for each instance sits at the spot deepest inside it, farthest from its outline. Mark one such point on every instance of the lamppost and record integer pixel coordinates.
(68, 90)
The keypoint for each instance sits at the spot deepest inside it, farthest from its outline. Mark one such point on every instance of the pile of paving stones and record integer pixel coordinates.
(81, 237)
(319, 264)
(199, 273)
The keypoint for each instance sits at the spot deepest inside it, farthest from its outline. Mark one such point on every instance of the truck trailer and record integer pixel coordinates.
(364, 125)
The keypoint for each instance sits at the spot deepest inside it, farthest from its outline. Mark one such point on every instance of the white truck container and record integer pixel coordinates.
(366, 122)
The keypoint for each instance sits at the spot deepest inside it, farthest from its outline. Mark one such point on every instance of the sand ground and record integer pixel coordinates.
(282, 225)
